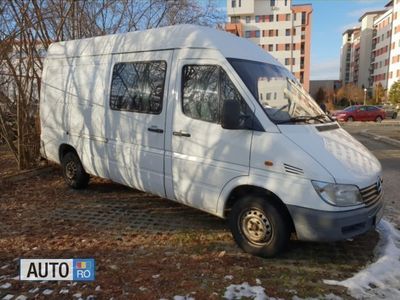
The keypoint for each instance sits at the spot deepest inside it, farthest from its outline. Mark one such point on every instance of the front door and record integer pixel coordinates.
(205, 157)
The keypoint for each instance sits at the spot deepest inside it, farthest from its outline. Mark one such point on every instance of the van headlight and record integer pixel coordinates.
(338, 194)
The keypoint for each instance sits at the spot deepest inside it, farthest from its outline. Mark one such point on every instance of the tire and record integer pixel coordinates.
(394, 116)
(73, 171)
(259, 227)
(378, 119)
(350, 119)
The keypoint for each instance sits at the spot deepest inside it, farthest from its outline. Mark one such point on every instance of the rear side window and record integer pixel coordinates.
(138, 86)
(372, 108)
(205, 87)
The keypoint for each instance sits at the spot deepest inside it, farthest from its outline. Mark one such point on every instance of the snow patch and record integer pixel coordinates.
(47, 292)
(244, 290)
(7, 285)
(32, 291)
(381, 279)
(64, 291)
(77, 295)
(228, 277)
(4, 267)
(98, 288)
(21, 297)
(8, 297)
(177, 297)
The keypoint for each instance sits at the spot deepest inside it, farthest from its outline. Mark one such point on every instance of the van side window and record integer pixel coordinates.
(138, 86)
(205, 87)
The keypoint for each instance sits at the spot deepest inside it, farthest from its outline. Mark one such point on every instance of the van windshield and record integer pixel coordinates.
(280, 94)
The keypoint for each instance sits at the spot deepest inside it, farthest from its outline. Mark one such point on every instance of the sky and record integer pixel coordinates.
(330, 19)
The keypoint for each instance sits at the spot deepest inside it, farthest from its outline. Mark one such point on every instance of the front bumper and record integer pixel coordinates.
(316, 225)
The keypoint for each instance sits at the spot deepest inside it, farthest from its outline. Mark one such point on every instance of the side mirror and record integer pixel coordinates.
(231, 117)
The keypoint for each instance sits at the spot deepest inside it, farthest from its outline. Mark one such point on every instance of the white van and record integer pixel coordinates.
(210, 120)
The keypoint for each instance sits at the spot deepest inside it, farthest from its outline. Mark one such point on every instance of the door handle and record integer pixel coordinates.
(181, 133)
(153, 129)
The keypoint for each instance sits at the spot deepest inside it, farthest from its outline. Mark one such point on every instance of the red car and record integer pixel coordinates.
(360, 113)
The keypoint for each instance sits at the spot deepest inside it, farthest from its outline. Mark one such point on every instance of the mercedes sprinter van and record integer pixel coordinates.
(210, 120)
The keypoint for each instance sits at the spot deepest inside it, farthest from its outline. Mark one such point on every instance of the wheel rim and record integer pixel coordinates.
(378, 119)
(70, 170)
(255, 226)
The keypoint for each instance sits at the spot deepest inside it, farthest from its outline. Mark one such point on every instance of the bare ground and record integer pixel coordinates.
(147, 247)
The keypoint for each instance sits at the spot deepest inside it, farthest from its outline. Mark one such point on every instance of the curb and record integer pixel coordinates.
(382, 124)
(381, 138)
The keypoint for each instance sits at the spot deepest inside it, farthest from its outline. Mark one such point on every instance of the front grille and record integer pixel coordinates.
(371, 194)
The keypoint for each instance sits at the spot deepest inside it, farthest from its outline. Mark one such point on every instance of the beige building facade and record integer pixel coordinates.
(279, 27)
(370, 54)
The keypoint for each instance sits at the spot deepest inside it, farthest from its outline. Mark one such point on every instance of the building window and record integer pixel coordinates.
(235, 20)
(277, 47)
(270, 47)
(287, 32)
(248, 19)
(272, 3)
(204, 89)
(287, 61)
(270, 32)
(303, 18)
(247, 34)
(294, 16)
(240, 3)
(294, 31)
(233, 3)
(287, 17)
(257, 33)
(138, 87)
(271, 18)
(287, 47)
(257, 19)
(276, 32)
(285, 2)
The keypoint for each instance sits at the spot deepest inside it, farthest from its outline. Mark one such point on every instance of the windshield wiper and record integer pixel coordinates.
(303, 119)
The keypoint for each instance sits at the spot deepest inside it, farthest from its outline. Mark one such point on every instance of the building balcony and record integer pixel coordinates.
(235, 28)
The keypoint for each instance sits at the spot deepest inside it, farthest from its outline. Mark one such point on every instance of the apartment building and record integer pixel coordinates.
(381, 41)
(394, 63)
(279, 27)
(370, 54)
(350, 43)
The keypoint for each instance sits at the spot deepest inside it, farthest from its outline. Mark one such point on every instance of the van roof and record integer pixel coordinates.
(171, 37)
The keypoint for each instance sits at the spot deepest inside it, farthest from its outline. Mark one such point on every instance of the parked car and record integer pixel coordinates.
(390, 110)
(360, 113)
(210, 120)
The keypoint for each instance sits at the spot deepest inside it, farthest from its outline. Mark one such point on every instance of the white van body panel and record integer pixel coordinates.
(346, 159)
(165, 38)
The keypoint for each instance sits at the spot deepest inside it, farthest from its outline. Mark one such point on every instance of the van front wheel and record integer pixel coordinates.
(73, 171)
(259, 227)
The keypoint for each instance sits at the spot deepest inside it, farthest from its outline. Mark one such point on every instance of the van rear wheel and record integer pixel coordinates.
(73, 171)
(259, 227)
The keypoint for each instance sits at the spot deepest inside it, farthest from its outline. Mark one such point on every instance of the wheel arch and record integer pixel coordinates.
(245, 189)
(64, 149)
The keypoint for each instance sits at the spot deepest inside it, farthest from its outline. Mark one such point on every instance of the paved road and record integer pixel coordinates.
(389, 156)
